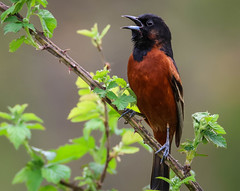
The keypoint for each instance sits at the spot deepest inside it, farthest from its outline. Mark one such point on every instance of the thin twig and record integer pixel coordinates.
(81, 72)
(108, 158)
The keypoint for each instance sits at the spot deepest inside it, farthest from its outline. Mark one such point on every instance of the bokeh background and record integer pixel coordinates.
(206, 47)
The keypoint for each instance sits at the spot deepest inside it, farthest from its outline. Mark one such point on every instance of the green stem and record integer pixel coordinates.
(29, 149)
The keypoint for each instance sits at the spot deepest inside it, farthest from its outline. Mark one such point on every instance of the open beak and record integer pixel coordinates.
(138, 23)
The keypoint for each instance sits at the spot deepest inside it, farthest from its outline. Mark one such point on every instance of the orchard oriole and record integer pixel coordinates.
(154, 78)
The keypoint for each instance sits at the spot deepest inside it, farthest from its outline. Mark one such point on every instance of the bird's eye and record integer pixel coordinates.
(149, 23)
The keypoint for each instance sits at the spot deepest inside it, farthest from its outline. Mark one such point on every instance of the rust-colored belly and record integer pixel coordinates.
(150, 80)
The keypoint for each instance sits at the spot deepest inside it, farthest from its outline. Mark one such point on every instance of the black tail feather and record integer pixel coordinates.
(159, 169)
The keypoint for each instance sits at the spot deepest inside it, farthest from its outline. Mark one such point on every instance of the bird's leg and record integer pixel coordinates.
(131, 112)
(165, 147)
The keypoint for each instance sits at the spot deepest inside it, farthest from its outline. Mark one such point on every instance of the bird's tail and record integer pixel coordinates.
(159, 169)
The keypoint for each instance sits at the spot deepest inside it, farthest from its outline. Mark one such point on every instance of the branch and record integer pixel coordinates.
(108, 158)
(71, 185)
(81, 72)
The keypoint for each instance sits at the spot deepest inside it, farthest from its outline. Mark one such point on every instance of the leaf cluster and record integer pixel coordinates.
(17, 130)
(96, 37)
(48, 22)
(206, 129)
(116, 89)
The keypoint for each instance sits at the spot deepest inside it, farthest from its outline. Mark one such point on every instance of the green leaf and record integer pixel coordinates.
(75, 151)
(6, 13)
(35, 126)
(86, 33)
(164, 178)
(81, 83)
(111, 85)
(129, 150)
(18, 109)
(18, 134)
(21, 176)
(3, 129)
(91, 125)
(16, 43)
(96, 168)
(123, 101)
(104, 32)
(49, 155)
(5, 115)
(43, 2)
(217, 128)
(218, 140)
(100, 92)
(26, 117)
(186, 180)
(12, 27)
(11, 19)
(55, 173)
(129, 137)
(48, 22)
(18, 6)
(48, 188)
(100, 75)
(111, 95)
(32, 177)
(121, 82)
(29, 26)
(112, 165)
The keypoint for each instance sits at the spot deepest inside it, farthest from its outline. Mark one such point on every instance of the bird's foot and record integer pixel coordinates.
(166, 147)
(131, 113)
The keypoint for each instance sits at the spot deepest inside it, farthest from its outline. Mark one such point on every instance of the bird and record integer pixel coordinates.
(154, 78)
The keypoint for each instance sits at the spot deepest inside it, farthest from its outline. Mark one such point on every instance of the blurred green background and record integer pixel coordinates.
(206, 45)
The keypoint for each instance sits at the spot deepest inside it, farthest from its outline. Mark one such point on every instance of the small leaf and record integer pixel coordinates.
(129, 137)
(26, 117)
(5, 116)
(55, 173)
(91, 125)
(11, 19)
(111, 85)
(6, 13)
(30, 26)
(18, 6)
(112, 165)
(165, 179)
(104, 32)
(86, 33)
(21, 176)
(96, 168)
(121, 82)
(48, 188)
(218, 140)
(111, 95)
(48, 22)
(35, 126)
(75, 151)
(18, 134)
(100, 92)
(43, 2)
(32, 177)
(12, 27)
(81, 83)
(16, 43)
(129, 150)
(123, 101)
(49, 155)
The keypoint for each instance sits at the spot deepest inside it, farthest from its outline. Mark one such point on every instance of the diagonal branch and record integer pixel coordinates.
(81, 72)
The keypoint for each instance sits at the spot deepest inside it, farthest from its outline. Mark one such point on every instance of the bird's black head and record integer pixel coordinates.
(150, 30)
